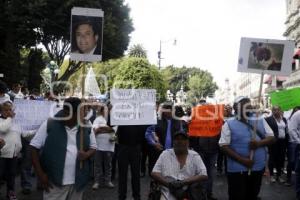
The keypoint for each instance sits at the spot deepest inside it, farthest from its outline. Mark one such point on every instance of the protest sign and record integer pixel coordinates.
(133, 106)
(265, 55)
(30, 114)
(207, 120)
(86, 34)
(286, 99)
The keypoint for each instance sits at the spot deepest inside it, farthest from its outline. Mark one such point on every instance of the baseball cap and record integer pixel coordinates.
(180, 133)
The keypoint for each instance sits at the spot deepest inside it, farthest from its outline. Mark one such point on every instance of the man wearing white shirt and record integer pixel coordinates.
(180, 170)
(62, 167)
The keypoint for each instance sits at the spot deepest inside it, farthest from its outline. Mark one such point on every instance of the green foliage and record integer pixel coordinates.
(28, 23)
(201, 85)
(138, 51)
(139, 73)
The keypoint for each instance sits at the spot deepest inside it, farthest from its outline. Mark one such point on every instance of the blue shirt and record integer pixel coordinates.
(168, 142)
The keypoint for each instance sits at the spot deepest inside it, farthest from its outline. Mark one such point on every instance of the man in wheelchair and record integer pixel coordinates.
(180, 171)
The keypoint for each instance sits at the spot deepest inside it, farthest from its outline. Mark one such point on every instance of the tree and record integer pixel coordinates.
(28, 23)
(139, 73)
(201, 85)
(179, 76)
(138, 51)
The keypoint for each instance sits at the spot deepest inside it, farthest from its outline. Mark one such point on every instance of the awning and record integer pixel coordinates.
(297, 54)
(268, 79)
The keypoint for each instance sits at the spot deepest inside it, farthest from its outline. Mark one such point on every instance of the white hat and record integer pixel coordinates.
(240, 98)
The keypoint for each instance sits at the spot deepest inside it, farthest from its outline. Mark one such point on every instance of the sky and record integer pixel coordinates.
(207, 32)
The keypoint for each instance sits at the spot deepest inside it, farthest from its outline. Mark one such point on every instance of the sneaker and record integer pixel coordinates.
(95, 186)
(109, 185)
(12, 195)
(272, 179)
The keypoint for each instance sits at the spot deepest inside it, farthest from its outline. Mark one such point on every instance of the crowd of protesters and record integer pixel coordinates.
(60, 152)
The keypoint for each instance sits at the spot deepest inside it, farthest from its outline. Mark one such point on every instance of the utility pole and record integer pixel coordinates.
(159, 55)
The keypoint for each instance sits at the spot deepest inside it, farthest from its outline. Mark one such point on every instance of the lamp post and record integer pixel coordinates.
(160, 50)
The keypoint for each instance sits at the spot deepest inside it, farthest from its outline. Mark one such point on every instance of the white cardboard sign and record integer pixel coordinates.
(133, 106)
(271, 56)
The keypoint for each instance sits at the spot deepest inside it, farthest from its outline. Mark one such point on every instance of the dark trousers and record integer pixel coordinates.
(221, 161)
(209, 160)
(145, 155)
(8, 169)
(153, 157)
(291, 155)
(114, 163)
(26, 165)
(244, 186)
(129, 155)
(277, 155)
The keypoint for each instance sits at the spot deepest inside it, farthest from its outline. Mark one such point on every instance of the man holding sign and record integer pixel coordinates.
(236, 141)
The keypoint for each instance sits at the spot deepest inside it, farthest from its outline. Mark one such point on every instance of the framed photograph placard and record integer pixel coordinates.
(86, 34)
(274, 57)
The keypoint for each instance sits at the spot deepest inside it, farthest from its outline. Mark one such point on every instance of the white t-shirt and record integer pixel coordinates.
(103, 143)
(70, 162)
(281, 129)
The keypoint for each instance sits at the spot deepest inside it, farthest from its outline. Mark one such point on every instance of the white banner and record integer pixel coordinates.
(133, 106)
(30, 114)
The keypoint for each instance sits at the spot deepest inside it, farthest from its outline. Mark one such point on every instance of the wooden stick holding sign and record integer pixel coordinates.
(82, 111)
(254, 132)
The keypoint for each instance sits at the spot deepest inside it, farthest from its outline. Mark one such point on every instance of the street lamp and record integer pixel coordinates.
(160, 51)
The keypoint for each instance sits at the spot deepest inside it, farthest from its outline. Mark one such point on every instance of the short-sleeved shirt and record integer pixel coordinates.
(71, 156)
(225, 138)
(168, 166)
(103, 139)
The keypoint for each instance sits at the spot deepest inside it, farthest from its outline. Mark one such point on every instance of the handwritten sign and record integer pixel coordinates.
(207, 120)
(30, 114)
(286, 99)
(133, 106)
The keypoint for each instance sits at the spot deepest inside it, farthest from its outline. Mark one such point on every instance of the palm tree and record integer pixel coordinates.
(138, 51)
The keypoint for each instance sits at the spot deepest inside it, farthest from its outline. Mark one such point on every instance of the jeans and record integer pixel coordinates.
(103, 166)
(291, 154)
(26, 165)
(297, 171)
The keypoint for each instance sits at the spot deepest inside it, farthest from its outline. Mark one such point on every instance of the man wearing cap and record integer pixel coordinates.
(160, 136)
(62, 168)
(180, 170)
(237, 142)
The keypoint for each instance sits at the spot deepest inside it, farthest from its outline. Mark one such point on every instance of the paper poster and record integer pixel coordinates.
(30, 114)
(271, 56)
(133, 107)
(207, 120)
(286, 99)
(86, 34)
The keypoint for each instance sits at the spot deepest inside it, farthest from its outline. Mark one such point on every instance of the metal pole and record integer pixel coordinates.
(159, 55)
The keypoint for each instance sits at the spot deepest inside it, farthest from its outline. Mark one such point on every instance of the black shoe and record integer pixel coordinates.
(211, 197)
(26, 191)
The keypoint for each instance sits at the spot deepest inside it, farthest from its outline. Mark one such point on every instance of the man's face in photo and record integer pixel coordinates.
(85, 38)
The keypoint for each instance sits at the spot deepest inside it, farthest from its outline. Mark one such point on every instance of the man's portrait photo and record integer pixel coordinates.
(86, 35)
